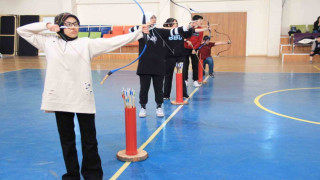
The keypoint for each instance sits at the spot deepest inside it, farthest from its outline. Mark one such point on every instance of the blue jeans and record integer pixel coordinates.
(210, 63)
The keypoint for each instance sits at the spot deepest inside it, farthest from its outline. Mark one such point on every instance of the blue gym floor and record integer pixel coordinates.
(238, 126)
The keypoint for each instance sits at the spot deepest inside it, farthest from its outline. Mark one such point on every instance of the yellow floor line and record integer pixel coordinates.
(126, 164)
(256, 101)
(120, 171)
(316, 67)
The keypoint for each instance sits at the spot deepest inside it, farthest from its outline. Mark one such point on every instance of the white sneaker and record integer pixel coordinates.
(186, 82)
(159, 112)
(143, 112)
(196, 84)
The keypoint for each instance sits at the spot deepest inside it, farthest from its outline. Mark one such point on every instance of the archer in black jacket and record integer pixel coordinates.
(175, 53)
(152, 64)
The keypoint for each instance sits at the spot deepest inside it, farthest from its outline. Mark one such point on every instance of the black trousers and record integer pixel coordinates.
(316, 51)
(194, 61)
(170, 65)
(145, 81)
(91, 164)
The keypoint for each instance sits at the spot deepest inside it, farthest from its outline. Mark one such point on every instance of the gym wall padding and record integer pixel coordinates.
(7, 28)
(25, 48)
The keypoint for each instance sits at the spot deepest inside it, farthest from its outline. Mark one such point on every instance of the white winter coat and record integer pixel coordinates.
(68, 82)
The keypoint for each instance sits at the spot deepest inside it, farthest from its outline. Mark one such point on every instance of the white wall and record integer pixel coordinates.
(299, 12)
(262, 15)
(257, 19)
(120, 12)
(102, 12)
(274, 27)
(31, 7)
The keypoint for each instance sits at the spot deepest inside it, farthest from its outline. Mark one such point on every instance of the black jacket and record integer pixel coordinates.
(316, 26)
(152, 61)
(176, 44)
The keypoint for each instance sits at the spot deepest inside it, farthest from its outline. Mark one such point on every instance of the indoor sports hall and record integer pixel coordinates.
(255, 118)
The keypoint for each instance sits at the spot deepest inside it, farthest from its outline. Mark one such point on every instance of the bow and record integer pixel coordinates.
(208, 22)
(182, 7)
(142, 52)
(229, 42)
(197, 55)
(189, 10)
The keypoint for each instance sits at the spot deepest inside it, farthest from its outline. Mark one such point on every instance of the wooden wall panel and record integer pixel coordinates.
(304, 58)
(130, 49)
(284, 40)
(233, 24)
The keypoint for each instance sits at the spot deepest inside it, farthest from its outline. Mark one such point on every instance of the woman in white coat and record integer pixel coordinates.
(68, 86)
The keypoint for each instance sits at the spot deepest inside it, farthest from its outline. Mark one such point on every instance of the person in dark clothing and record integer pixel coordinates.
(192, 44)
(316, 26)
(205, 53)
(315, 48)
(176, 53)
(152, 63)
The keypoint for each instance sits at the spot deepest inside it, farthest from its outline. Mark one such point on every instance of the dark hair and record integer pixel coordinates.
(317, 21)
(60, 18)
(196, 17)
(206, 38)
(169, 22)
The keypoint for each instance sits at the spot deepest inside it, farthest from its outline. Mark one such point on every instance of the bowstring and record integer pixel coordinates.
(228, 43)
(65, 39)
(215, 31)
(164, 42)
(189, 10)
(140, 55)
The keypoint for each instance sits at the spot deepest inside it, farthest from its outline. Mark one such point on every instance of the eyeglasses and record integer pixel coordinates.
(69, 24)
